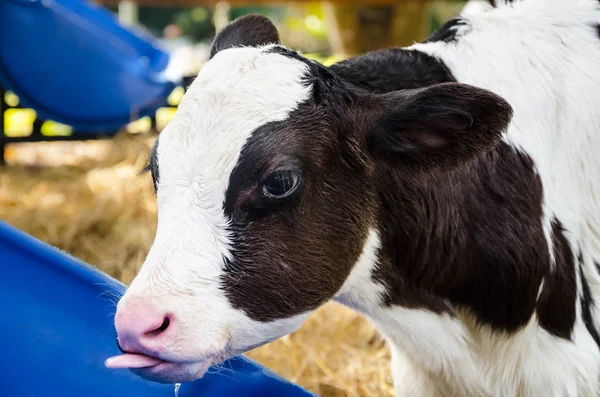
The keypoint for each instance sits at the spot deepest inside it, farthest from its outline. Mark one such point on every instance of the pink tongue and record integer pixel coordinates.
(130, 360)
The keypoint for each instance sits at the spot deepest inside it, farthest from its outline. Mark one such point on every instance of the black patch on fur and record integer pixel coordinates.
(448, 31)
(587, 304)
(493, 202)
(556, 307)
(471, 239)
(494, 3)
(316, 71)
(392, 70)
(325, 83)
(152, 165)
(293, 255)
(441, 127)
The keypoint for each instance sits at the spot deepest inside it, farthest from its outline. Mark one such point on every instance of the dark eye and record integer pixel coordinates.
(281, 184)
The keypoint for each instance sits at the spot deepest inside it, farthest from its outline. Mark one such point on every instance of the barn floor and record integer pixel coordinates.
(88, 199)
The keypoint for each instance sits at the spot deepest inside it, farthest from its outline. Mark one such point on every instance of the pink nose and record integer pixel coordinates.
(143, 328)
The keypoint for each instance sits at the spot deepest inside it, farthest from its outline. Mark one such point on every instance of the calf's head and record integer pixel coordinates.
(264, 183)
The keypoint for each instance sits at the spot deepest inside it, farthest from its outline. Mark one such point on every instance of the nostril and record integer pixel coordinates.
(163, 327)
(143, 327)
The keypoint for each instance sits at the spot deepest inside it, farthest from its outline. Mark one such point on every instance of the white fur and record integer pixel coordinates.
(236, 92)
(543, 57)
(477, 6)
(438, 355)
(359, 291)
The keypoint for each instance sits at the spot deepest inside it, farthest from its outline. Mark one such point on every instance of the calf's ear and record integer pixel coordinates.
(441, 126)
(250, 30)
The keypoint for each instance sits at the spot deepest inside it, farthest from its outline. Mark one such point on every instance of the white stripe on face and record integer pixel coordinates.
(236, 92)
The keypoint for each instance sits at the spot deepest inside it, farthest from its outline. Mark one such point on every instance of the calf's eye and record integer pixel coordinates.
(281, 184)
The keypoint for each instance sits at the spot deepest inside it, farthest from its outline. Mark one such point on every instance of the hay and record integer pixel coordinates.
(88, 199)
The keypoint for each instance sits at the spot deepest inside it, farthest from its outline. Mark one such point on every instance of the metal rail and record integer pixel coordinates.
(36, 133)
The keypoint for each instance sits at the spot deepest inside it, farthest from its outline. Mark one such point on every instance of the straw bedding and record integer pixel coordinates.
(89, 199)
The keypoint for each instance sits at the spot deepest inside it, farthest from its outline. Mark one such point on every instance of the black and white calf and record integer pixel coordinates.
(398, 183)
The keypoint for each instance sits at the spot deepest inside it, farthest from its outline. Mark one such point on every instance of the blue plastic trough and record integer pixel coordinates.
(72, 62)
(57, 330)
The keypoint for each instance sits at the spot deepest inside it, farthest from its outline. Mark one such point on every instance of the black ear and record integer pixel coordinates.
(250, 30)
(441, 126)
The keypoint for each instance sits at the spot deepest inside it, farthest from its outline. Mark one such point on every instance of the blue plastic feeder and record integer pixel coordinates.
(57, 330)
(73, 62)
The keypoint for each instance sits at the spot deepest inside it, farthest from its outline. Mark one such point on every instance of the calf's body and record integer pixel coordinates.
(515, 235)
(400, 183)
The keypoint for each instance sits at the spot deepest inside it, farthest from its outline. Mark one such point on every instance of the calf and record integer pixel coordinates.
(398, 183)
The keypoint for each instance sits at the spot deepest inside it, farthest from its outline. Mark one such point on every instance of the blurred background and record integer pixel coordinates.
(88, 197)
